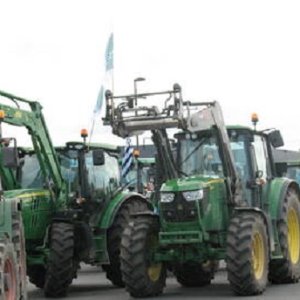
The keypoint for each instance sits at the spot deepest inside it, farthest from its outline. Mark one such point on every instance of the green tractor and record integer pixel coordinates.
(217, 196)
(74, 209)
(12, 241)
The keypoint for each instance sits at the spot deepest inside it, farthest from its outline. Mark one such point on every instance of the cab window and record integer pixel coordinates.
(261, 157)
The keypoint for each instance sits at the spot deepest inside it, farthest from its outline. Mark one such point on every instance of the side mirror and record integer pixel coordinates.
(281, 169)
(98, 157)
(10, 157)
(275, 138)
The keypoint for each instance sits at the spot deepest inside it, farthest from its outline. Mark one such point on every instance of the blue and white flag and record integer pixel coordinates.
(109, 65)
(109, 53)
(127, 159)
(100, 100)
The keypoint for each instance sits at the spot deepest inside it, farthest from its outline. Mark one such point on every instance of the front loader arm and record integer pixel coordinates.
(34, 121)
(127, 118)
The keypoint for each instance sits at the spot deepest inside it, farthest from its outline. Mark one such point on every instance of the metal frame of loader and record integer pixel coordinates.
(58, 229)
(248, 217)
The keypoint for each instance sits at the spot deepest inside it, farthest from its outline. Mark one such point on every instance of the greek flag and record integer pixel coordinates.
(109, 64)
(127, 159)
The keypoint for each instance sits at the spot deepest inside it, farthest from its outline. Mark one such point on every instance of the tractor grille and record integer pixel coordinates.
(179, 210)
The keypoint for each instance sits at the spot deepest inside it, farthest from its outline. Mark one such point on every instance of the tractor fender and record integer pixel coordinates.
(108, 217)
(111, 210)
(288, 184)
(267, 221)
(276, 194)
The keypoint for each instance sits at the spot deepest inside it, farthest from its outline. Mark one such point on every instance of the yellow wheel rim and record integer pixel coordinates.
(293, 235)
(258, 255)
(154, 268)
(154, 272)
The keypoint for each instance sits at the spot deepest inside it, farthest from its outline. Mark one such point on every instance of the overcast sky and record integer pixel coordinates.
(245, 54)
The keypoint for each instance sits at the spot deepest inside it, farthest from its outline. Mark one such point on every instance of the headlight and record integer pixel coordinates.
(193, 195)
(167, 197)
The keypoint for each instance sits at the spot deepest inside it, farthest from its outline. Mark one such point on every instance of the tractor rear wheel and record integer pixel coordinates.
(247, 254)
(287, 269)
(60, 267)
(113, 272)
(9, 277)
(143, 277)
(18, 239)
(194, 274)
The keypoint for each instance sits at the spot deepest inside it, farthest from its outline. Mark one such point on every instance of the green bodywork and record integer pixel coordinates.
(37, 210)
(5, 218)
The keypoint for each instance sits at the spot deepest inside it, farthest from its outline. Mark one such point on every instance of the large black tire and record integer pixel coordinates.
(287, 269)
(194, 274)
(113, 272)
(60, 265)
(37, 275)
(18, 239)
(247, 254)
(142, 276)
(9, 277)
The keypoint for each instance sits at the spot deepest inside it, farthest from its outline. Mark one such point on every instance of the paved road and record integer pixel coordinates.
(92, 285)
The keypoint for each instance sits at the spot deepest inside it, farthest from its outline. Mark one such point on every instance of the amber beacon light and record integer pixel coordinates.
(254, 119)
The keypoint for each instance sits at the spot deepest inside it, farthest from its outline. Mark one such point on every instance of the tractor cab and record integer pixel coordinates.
(91, 172)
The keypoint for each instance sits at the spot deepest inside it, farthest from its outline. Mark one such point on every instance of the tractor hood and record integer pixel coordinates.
(189, 184)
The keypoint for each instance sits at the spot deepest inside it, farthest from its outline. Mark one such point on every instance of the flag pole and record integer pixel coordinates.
(138, 179)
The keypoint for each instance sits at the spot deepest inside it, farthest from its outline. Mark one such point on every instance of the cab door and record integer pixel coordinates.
(261, 169)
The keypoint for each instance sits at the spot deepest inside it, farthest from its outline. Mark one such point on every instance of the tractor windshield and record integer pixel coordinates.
(199, 155)
(145, 170)
(239, 148)
(69, 167)
(30, 175)
(105, 177)
(100, 178)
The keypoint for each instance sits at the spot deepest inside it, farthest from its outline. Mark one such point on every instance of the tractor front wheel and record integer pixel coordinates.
(60, 267)
(142, 275)
(113, 272)
(247, 254)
